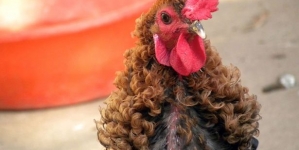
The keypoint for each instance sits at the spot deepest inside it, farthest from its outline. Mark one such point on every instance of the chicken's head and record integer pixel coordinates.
(178, 35)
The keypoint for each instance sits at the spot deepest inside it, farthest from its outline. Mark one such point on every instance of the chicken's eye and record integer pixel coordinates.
(165, 17)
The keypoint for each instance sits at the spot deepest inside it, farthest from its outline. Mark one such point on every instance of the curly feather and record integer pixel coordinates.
(215, 110)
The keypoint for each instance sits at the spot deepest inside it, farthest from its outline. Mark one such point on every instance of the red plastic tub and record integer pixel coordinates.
(67, 53)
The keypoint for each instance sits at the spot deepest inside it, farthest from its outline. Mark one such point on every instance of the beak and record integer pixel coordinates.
(197, 27)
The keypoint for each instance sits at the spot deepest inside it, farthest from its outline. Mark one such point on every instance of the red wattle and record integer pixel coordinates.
(162, 54)
(188, 56)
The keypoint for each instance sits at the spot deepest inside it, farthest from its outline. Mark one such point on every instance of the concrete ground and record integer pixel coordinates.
(261, 37)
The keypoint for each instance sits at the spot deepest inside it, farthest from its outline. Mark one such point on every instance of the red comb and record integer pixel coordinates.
(199, 9)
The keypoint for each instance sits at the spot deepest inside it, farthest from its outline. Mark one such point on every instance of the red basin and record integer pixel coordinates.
(69, 53)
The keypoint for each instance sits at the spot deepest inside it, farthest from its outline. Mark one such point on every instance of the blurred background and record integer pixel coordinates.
(58, 60)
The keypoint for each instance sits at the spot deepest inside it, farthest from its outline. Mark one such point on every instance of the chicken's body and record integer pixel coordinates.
(156, 107)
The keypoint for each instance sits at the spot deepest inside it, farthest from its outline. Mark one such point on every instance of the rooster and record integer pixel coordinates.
(175, 94)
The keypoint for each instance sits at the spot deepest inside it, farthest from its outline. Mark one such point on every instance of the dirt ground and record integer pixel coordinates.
(261, 37)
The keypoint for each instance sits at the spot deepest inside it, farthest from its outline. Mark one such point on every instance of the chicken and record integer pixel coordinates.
(175, 93)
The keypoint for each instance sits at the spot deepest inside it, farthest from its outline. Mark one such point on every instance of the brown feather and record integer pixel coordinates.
(135, 110)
